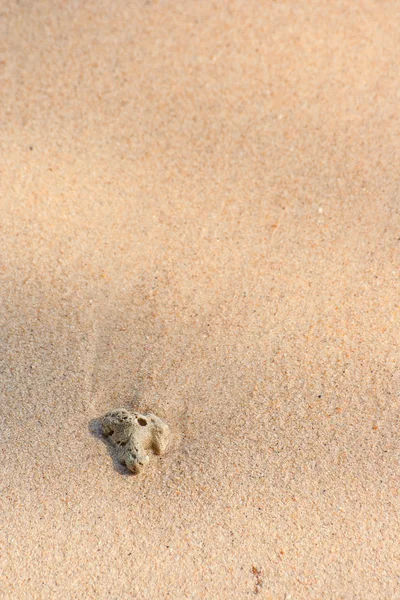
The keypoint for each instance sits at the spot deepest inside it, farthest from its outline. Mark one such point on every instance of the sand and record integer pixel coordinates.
(200, 217)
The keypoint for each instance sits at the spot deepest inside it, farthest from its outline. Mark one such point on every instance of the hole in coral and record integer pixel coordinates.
(142, 422)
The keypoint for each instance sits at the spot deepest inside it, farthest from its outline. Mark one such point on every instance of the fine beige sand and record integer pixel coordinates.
(200, 217)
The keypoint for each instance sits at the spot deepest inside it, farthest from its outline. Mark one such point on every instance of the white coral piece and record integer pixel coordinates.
(132, 433)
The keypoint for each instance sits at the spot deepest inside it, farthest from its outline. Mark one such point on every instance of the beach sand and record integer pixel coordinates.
(200, 217)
